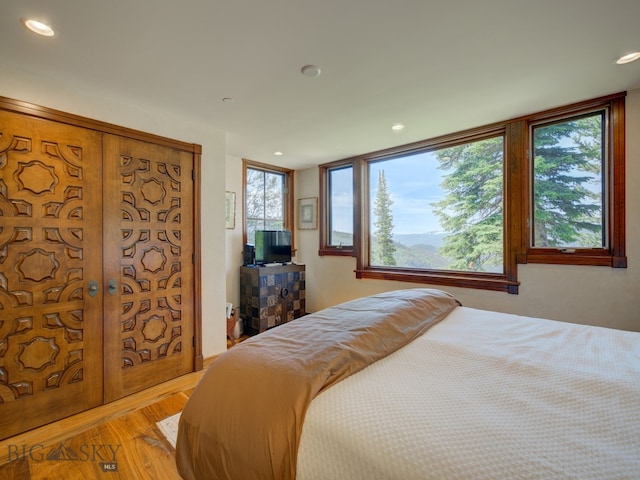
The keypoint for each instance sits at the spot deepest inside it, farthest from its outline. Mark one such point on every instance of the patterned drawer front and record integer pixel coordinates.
(271, 296)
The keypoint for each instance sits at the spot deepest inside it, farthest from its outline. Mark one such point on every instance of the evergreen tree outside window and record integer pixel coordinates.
(439, 209)
(569, 187)
(464, 209)
(471, 210)
(383, 248)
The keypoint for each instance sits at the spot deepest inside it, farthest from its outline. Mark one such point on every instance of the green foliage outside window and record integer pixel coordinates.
(567, 179)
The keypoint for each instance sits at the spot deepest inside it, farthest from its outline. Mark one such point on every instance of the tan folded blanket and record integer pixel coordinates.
(245, 417)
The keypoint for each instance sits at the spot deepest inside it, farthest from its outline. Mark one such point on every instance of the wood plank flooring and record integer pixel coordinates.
(116, 441)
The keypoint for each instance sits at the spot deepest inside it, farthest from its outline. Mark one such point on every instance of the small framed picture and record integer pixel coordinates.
(308, 213)
(230, 210)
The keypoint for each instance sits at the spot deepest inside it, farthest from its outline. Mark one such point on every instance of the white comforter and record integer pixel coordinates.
(484, 396)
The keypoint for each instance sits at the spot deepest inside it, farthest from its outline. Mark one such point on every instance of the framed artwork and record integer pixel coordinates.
(230, 210)
(308, 213)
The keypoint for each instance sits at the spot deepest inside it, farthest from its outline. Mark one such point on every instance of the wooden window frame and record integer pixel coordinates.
(614, 254)
(325, 212)
(288, 195)
(517, 201)
(506, 281)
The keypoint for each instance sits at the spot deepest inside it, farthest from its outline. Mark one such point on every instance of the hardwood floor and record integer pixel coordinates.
(119, 440)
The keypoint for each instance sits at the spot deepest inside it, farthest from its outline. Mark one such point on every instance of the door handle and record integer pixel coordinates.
(92, 288)
(112, 286)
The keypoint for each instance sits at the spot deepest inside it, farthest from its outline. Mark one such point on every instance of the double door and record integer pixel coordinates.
(97, 288)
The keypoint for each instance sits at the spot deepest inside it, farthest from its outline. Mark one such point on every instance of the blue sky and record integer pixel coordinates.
(413, 184)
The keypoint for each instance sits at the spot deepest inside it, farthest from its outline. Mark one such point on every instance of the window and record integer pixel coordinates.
(576, 184)
(568, 163)
(267, 199)
(435, 212)
(338, 222)
(464, 209)
(439, 209)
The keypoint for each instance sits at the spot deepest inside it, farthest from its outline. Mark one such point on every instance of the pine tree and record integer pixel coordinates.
(566, 210)
(384, 249)
(472, 207)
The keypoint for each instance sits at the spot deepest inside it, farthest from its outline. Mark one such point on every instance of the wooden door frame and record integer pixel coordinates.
(38, 111)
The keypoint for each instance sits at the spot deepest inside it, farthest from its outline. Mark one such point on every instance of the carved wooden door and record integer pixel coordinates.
(50, 271)
(149, 270)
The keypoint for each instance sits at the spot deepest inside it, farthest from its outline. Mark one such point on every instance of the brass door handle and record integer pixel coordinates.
(112, 286)
(92, 288)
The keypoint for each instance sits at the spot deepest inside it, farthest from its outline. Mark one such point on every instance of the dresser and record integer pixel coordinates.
(271, 295)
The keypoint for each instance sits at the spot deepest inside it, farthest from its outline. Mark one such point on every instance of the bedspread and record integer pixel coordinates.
(485, 395)
(244, 419)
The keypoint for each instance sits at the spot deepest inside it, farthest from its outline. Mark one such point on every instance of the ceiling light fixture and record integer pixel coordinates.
(38, 27)
(628, 58)
(310, 71)
(398, 127)
(227, 100)
(278, 154)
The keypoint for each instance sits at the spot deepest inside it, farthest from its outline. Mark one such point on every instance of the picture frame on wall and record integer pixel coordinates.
(308, 213)
(230, 210)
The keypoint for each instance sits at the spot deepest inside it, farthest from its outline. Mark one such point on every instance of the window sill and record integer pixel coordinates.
(482, 281)
(556, 258)
(338, 252)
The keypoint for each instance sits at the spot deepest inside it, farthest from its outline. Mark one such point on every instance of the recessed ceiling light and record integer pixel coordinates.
(278, 154)
(628, 58)
(38, 27)
(310, 71)
(398, 127)
(227, 100)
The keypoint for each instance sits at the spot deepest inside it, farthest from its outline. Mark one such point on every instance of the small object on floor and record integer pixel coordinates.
(169, 428)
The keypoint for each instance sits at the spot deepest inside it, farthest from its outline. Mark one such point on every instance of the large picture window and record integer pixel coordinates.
(439, 209)
(464, 209)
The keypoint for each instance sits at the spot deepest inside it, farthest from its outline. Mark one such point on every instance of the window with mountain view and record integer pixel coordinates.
(465, 209)
(341, 198)
(439, 209)
(336, 219)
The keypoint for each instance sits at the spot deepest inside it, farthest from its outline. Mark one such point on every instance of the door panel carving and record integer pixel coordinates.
(97, 278)
(149, 246)
(50, 239)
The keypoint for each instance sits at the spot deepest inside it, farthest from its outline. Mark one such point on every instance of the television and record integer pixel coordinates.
(273, 246)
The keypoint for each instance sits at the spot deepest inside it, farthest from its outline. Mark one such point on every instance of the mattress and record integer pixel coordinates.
(484, 395)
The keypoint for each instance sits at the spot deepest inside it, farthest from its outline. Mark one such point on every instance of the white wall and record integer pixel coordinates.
(590, 295)
(125, 112)
(234, 236)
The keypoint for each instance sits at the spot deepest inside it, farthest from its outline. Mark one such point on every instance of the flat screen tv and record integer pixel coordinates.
(273, 246)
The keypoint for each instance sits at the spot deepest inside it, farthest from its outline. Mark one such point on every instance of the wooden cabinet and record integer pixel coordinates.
(270, 296)
(98, 284)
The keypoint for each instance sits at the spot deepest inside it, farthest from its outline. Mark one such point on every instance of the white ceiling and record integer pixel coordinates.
(435, 66)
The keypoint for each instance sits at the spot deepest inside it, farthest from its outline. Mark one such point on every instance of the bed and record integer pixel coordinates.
(411, 385)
